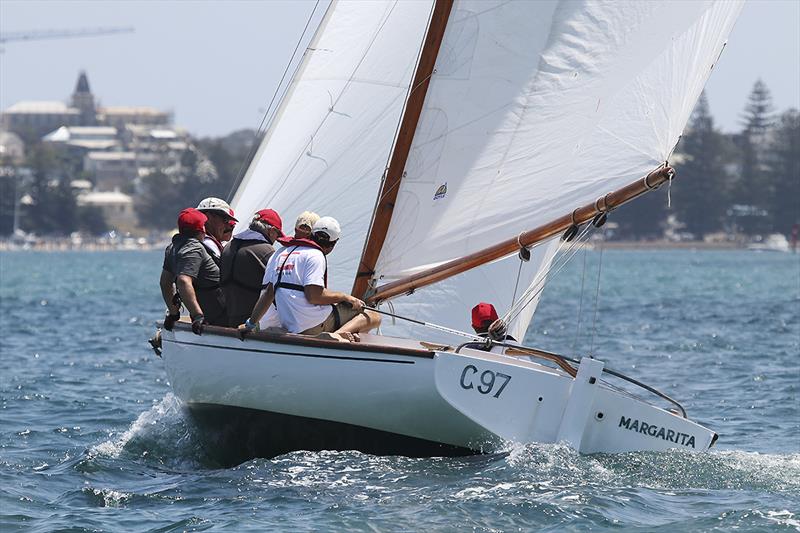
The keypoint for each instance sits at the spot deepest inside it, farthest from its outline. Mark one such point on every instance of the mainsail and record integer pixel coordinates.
(532, 110)
(537, 108)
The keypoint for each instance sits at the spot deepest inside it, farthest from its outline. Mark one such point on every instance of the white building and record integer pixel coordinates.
(117, 208)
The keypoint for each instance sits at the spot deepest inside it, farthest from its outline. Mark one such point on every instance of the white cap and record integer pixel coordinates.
(216, 204)
(329, 226)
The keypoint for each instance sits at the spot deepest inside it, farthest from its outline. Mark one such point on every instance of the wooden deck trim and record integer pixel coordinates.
(304, 340)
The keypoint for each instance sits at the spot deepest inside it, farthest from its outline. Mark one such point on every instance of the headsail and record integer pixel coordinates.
(537, 108)
(329, 143)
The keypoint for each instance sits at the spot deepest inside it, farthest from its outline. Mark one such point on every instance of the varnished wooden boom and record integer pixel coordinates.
(405, 136)
(579, 216)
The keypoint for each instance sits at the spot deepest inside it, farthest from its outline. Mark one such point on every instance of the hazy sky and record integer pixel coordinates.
(215, 64)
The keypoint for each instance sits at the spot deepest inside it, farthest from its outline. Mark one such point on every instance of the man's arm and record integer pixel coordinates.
(168, 292)
(189, 297)
(263, 303)
(321, 296)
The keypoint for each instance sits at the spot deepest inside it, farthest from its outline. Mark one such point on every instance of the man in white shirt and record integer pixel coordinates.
(296, 280)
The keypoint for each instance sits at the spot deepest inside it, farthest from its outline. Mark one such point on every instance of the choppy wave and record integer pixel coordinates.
(92, 439)
(162, 435)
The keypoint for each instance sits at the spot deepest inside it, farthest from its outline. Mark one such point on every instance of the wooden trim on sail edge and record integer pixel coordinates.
(405, 136)
(304, 340)
(580, 216)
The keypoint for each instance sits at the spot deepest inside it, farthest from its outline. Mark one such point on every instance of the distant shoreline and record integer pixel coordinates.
(64, 245)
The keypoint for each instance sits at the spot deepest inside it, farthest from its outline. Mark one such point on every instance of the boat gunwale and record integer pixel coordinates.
(304, 340)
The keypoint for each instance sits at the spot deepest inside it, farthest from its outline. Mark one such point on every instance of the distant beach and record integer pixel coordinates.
(130, 243)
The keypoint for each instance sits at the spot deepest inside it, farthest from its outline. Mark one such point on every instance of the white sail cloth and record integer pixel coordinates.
(329, 142)
(449, 302)
(536, 108)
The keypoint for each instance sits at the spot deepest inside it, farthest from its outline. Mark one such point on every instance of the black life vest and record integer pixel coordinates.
(236, 245)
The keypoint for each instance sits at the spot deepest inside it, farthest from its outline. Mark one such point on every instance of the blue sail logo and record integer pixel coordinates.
(441, 191)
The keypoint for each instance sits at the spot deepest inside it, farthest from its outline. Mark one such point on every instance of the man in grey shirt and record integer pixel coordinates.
(194, 273)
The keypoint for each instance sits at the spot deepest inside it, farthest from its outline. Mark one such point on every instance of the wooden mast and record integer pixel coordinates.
(525, 239)
(405, 135)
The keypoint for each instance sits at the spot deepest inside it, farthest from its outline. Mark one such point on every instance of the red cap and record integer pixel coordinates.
(191, 219)
(482, 313)
(272, 218)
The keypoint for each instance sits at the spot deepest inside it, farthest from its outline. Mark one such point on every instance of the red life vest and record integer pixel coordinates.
(296, 243)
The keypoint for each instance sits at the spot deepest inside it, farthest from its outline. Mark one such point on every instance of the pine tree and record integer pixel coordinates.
(699, 190)
(757, 117)
(752, 187)
(783, 156)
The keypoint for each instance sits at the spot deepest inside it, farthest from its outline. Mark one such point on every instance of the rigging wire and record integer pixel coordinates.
(516, 285)
(263, 124)
(555, 267)
(597, 294)
(580, 303)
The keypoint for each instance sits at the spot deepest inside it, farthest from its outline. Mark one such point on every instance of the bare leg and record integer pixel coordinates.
(362, 322)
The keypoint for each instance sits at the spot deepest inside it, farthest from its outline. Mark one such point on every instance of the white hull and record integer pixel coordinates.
(473, 399)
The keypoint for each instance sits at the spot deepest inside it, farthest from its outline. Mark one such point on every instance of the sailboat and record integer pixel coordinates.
(450, 138)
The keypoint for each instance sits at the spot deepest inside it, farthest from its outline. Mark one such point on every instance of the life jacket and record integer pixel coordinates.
(297, 243)
(210, 297)
(214, 257)
(236, 245)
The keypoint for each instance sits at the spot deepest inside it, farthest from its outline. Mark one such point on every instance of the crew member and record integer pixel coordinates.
(194, 273)
(302, 227)
(218, 228)
(486, 324)
(296, 279)
(304, 223)
(242, 265)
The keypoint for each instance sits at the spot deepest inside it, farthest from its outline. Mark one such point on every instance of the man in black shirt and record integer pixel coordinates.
(243, 261)
(194, 273)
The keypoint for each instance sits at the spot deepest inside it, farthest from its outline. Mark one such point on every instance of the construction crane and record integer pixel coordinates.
(38, 35)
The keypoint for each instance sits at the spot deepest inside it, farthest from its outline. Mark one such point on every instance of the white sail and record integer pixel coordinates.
(536, 108)
(449, 302)
(327, 147)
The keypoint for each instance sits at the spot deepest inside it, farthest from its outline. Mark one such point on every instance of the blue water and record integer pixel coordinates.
(91, 438)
